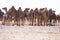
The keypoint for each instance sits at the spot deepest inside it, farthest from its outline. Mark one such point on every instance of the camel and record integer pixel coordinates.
(26, 13)
(52, 16)
(1, 15)
(5, 18)
(36, 16)
(31, 17)
(44, 16)
(58, 19)
(20, 17)
(11, 13)
(40, 16)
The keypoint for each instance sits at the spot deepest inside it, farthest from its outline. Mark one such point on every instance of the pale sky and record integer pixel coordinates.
(54, 4)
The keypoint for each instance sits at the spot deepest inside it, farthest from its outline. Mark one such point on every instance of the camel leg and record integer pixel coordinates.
(50, 21)
(38, 21)
(41, 21)
(19, 21)
(35, 21)
(22, 21)
(32, 21)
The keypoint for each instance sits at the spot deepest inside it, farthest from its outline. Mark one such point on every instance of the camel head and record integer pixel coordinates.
(31, 10)
(36, 10)
(5, 8)
(19, 9)
(27, 9)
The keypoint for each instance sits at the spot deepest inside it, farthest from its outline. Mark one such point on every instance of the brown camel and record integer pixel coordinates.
(11, 13)
(44, 16)
(5, 16)
(31, 17)
(36, 15)
(52, 17)
(58, 19)
(39, 18)
(26, 14)
(20, 17)
(1, 15)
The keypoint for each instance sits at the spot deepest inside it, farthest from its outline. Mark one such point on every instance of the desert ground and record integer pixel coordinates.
(29, 32)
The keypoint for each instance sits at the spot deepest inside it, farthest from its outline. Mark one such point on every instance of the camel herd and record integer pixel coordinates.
(36, 17)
